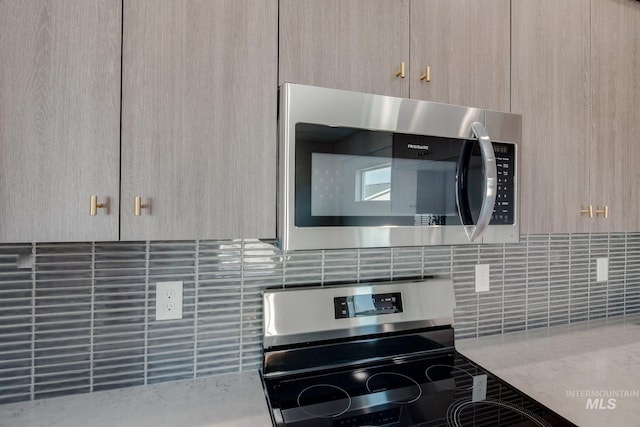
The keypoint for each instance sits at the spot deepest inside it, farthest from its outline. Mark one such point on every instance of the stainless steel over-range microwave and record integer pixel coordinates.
(359, 170)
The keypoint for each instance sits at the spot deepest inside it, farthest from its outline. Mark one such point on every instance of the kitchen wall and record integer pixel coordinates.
(76, 318)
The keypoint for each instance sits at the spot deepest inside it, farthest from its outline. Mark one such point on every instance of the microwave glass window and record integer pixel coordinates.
(354, 177)
(373, 184)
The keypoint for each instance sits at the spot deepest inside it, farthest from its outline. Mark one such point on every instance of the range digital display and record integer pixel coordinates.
(367, 305)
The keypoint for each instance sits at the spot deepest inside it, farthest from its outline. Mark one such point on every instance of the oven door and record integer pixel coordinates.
(361, 170)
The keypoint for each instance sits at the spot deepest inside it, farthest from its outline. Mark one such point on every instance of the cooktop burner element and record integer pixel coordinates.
(327, 369)
(464, 409)
(463, 379)
(401, 388)
(324, 401)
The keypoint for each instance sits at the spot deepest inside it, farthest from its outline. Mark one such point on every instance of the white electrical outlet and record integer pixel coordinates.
(168, 300)
(482, 277)
(479, 390)
(602, 269)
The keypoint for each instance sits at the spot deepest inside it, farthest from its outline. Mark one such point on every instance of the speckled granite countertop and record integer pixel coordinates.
(568, 367)
(234, 400)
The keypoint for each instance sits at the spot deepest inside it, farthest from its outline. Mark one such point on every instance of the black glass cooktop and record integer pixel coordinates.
(436, 388)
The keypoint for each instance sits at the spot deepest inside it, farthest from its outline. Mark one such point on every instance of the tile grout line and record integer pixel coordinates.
(196, 283)
(32, 389)
(477, 294)
(357, 265)
(570, 278)
(624, 275)
(146, 311)
(92, 321)
(504, 263)
(391, 265)
(548, 280)
(606, 282)
(526, 284)
(589, 278)
(242, 258)
(322, 261)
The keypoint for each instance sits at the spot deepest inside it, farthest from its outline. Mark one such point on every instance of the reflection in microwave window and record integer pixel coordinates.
(373, 184)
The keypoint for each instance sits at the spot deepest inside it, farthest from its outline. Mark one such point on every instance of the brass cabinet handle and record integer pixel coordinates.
(588, 211)
(427, 75)
(138, 206)
(95, 205)
(604, 212)
(401, 73)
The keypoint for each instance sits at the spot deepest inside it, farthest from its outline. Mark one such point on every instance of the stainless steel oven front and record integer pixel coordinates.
(361, 170)
(380, 354)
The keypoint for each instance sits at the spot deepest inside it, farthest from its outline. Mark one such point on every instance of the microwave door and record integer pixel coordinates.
(473, 180)
(423, 171)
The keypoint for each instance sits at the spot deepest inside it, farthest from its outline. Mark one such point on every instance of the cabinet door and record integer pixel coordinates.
(551, 89)
(345, 44)
(59, 119)
(466, 45)
(615, 148)
(199, 119)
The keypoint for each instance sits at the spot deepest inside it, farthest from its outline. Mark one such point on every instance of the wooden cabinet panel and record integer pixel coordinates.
(199, 119)
(59, 118)
(615, 148)
(466, 44)
(551, 89)
(355, 44)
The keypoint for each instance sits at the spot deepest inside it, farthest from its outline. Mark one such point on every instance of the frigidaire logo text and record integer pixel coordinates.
(418, 147)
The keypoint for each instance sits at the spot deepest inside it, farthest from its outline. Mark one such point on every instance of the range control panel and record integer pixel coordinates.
(504, 210)
(367, 305)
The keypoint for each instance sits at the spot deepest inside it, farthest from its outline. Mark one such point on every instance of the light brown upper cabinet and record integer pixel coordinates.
(465, 45)
(575, 80)
(346, 44)
(199, 99)
(551, 89)
(615, 143)
(59, 119)
(197, 150)
(386, 46)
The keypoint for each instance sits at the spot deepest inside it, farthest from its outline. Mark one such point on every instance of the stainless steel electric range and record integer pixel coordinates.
(380, 354)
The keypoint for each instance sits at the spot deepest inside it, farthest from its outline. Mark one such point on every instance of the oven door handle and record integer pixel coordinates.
(490, 182)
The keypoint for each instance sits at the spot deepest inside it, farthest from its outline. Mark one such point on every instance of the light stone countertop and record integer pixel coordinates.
(567, 367)
(559, 366)
(234, 400)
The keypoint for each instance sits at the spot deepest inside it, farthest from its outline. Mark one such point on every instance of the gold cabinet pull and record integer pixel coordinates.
(427, 75)
(588, 211)
(401, 73)
(604, 212)
(138, 206)
(95, 205)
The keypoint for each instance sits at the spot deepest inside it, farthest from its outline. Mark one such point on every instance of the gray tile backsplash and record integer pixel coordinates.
(77, 318)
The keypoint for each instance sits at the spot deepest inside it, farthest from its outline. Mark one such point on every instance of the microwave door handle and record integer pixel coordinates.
(490, 184)
(462, 184)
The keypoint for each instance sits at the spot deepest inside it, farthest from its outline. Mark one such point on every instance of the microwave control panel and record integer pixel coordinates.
(504, 210)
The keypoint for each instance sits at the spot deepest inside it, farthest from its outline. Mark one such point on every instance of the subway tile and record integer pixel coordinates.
(82, 316)
(406, 263)
(374, 265)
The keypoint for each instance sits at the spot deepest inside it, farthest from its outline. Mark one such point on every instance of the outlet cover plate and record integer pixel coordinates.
(482, 277)
(602, 269)
(168, 300)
